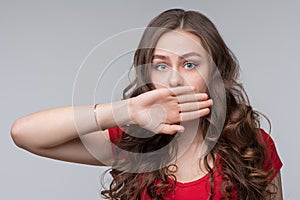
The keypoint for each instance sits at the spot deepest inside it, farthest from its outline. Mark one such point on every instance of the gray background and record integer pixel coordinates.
(43, 43)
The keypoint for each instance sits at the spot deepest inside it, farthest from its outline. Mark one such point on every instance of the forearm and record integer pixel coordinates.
(56, 126)
(114, 114)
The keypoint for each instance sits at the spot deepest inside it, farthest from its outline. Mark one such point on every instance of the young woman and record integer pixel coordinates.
(184, 130)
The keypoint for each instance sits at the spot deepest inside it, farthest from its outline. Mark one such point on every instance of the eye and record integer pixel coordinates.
(190, 65)
(161, 67)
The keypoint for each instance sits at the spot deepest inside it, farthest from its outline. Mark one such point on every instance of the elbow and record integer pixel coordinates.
(24, 136)
(17, 133)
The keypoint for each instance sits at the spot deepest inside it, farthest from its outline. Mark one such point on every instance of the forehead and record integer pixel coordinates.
(179, 43)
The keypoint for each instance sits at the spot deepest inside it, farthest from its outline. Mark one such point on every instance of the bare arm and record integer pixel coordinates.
(55, 132)
(72, 134)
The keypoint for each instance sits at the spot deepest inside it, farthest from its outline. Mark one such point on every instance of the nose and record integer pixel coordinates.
(175, 79)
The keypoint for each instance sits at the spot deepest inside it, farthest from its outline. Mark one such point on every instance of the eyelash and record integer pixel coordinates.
(158, 65)
(195, 64)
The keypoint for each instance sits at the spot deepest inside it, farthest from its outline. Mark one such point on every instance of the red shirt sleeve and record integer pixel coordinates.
(272, 161)
(115, 134)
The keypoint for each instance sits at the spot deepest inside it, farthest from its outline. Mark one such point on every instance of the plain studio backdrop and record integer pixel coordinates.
(43, 44)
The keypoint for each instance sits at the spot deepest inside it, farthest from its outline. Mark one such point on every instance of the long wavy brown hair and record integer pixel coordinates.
(241, 154)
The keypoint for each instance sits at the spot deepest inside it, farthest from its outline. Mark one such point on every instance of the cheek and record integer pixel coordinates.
(201, 87)
(198, 82)
(201, 79)
(157, 80)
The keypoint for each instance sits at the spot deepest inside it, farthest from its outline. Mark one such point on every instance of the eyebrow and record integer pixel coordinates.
(163, 57)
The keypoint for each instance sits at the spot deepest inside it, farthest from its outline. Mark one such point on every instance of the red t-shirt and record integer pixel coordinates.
(200, 189)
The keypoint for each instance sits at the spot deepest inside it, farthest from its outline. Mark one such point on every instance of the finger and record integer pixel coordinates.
(170, 129)
(192, 97)
(182, 90)
(186, 116)
(191, 106)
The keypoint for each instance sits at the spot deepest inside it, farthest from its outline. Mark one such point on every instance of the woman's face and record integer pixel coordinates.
(179, 59)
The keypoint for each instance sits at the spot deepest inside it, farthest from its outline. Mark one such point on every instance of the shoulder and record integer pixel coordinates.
(272, 159)
(265, 136)
(267, 141)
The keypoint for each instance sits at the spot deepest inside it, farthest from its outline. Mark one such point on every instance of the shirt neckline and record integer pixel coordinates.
(197, 181)
(191, 183)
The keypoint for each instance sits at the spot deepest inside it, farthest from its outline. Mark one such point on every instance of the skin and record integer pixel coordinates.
(180, 97)
(174, 66)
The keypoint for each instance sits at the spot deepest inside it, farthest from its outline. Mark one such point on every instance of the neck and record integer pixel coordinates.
(192, 138)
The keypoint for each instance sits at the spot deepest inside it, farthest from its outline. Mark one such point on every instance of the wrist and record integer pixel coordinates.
(122, 112)
(131, 102)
